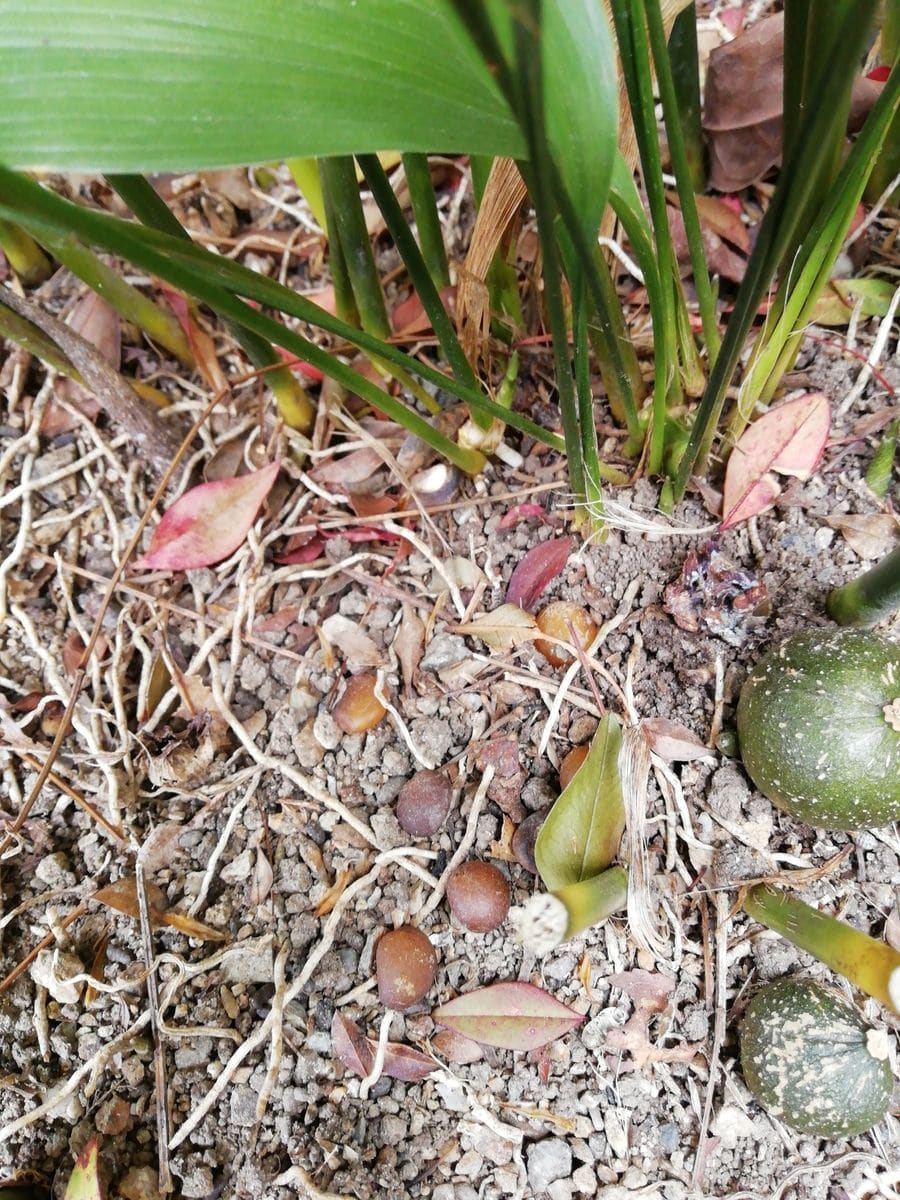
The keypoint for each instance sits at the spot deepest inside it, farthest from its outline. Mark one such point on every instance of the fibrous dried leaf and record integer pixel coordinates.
(208, 522)
(542, 563)
(505, 627)
(357, 647)
(789, 439)
(671, 741)
(870, 535)
(514, 1016)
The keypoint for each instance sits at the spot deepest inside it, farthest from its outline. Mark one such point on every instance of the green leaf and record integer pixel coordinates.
(84, 1182)
(581, 835)
(580, 102)
(120, 85)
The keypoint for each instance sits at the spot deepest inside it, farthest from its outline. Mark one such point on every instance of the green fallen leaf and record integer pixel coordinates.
(84, 1182)
(837, 303)
(581, 835)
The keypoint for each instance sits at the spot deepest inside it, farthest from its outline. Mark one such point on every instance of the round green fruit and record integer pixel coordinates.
(819, 727)
(810, 1058)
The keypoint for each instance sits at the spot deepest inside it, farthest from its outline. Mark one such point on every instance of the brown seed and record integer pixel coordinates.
(358, 708)
(570, 765)
(478, 895)
(423, 803)
(522, 844)
(554, 620)
(405, 966)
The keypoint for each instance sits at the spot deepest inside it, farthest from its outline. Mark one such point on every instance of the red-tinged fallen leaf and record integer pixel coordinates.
(324, 298)
(278, 621)
(542, 1059)
(306, 552)
(732, 19)
(356, 1052)
(789, 439)
(410, 317)
(202, 345)
(649, 990)
(208, 523)
(405, 1062)
(350, 1045)
(456, 1047)
(541, 564)
(513, 1016)
(373, 506)
(672, 742)
(519, 512)
(84, 1182)
(300, 366)
(879, 74)
(73, 650)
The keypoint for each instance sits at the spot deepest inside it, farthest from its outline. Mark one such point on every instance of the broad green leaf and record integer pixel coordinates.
(84, 1182)
(121, 85)
(581, 102)
(514, 1016)
(581, 835)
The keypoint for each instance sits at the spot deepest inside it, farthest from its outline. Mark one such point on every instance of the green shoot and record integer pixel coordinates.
(24, 255)
(428, 223)
(685, 60)
(870, 597)
(348, 226)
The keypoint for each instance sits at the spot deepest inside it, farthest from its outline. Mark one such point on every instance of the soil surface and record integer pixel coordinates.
(203, 733)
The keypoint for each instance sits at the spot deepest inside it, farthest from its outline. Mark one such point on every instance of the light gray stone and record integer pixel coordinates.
(548, 1160)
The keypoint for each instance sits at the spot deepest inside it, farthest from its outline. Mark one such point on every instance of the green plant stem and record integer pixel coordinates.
(629, 17)
(414, 261)
(530, 110)
(870, 597)
(872, 966)
(347, 223)
(589, 448)
(294, 405)
(34, 340)
(480, 166)
(202, 274)
(617, 357)
(881, 468)
(344, 300)
(305, 173)
(684, 57)
(779, 232)
(428, 223)
(24, 255)
(159, 324)
(887, 164)
(683, 175)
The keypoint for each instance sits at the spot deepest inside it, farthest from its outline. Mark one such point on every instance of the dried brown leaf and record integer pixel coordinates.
(870, 535)
(409, 644)
(671, 741)
(505, 627)
(357, 647)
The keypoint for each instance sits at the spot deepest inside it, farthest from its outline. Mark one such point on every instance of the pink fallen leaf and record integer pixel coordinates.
(456, 1047)
(789, 439)
(514, 1016)
(519, 512)
(649, 990)
(409, 316)
(405, 1062)
(306, 549)
(671, 741)
(202, 345)
(349, 470)
(351, 1046)
(541, 564)
(356, 1052)
(313, 374)
(208, 522)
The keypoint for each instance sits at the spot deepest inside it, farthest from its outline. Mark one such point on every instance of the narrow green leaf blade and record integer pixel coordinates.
(581, 102)
(120, 85)
(581, 835)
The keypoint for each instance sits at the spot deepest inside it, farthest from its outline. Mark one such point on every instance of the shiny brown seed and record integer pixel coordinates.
(554, 620)
(522, 844)
(570, 765)
(478, 895)
(358, 709)
(423, 803)
(405, 966)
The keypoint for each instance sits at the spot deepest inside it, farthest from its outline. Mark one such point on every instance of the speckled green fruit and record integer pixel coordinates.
(810, 1058)
(819, 727)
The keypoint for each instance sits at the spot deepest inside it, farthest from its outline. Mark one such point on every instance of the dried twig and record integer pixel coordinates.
(159, 1051)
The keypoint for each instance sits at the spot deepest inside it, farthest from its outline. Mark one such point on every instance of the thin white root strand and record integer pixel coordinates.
(380, 1051)
(277, 1046)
